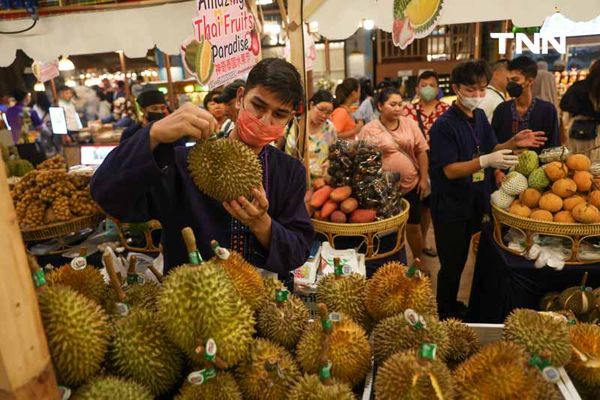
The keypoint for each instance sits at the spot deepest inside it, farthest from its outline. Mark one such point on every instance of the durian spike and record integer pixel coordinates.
(436, 386)
(325, 341)
(157, 274)
(217, 362)
(112, 273)
(190, 243)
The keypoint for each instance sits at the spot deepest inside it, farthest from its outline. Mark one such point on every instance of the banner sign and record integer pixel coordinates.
(225, 45)
(414, 19)
(45, 71)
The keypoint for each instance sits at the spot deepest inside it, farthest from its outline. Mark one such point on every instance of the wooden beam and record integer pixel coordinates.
(327, 59)
(477, 40)
(54, 92)
(124, 70)
(25, 367)
(311, 8)
(172, 96)
(283, 13)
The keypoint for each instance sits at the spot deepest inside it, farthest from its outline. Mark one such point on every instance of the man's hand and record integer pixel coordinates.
(187, 120)
(529, 138)
(500, 176)
(253, 214)
(423, 187)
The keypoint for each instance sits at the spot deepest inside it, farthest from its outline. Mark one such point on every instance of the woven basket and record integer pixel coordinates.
(369, 231)
(530, 227)
(60, 229)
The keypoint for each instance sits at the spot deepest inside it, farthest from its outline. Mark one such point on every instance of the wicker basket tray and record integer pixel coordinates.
(369, 231)
(529, 227)
(61, 229)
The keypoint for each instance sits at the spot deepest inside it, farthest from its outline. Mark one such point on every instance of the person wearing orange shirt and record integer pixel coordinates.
(346, 94)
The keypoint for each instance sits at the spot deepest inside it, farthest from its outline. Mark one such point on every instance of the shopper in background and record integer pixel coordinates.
(581, 107)
(104, 106)
(321, 132)
(524, 111)
(65, 100)
(367, 111)
(137, 88)
(215, 108)
(146, 178)
(16, 115)
(404, 150)
(120, 90)
(425, 112)
(495, 93)
(347, 94)
(229, 100)
(464, 150)
(108, 90)
(153, 107)
(544, 85)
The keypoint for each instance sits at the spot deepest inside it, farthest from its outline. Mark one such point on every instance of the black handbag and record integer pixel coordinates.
(584, 129)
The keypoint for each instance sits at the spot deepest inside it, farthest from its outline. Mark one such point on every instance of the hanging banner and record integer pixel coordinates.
(45, 71)
(414, 19)
(225, 45)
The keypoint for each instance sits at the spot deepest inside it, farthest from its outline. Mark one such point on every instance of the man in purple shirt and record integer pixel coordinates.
(14, 114)
(146, 177)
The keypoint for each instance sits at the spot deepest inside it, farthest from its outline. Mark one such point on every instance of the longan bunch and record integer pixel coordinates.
(79, 181)
(60, 208)
(56, 162)
(81, 203)
(34, 216)
(48, 177)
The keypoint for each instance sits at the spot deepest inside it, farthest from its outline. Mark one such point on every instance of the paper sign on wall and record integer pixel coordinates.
(414, 19)
(45, 71)
(225, 45)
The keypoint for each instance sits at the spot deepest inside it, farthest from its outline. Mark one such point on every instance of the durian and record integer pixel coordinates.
(112, 388)
(345, 294)
(268, 373)
(499, 371)
(463, 341)
(349, 351)
(200, 302)
(578, 299)
(224, 169)
(244, 276)
(395, 334)
(221, 387)
(407, 376)
(77, 332)
(584, 365)
(88, 281)
(395, 288)
(310, 387)
(282, 318)
(141, 351)
(142, 296)
(550, 302)
(542, 335)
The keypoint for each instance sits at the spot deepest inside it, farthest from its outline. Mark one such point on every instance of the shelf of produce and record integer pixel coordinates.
(369, 231)
(60, 229)
(575, 232)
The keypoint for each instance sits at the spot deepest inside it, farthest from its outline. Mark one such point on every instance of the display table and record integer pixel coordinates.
(503, 281)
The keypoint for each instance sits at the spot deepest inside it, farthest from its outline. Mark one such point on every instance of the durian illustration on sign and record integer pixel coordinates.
(414, 19)
(199, 60)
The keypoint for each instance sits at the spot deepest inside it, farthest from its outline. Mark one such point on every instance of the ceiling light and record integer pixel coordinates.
(313, 27)
(271, 28)
(65, 64)
(368, 24)
(70, 83)
(263, 2)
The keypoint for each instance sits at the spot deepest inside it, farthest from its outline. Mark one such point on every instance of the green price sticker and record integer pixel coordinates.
(411, 271)
(209, 373)
(325, 371)
(282, 295)
(195, 257)
(428, 350)
(539, 362)
(39, 278)
(327, 324)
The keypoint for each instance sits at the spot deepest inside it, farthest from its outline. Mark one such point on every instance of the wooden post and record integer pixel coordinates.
(172, 96)
(477, 40)
(25, 368)
(327, 59)
(296, 35)
(54, 92)
(283, 13)
(124, 69)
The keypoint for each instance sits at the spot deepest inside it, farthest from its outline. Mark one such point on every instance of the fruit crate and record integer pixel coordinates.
(487, 333)
(575, 233)
(370, 232)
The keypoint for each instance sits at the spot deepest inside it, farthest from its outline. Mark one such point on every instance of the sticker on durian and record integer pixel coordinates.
(220, 252)
(325, 371)
(211, 350)
(196, 377)
(347, 269)
(551, 374)
(64, 393)
(415, 320)
(39, 278)
(414, 19)
(122, 309)
(428, 351)
(335, 317)
(78, 263)
(282, 295)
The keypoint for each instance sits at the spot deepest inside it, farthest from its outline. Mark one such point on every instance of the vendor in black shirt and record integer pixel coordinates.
(464, 150)
(524, 111)
(153, 106)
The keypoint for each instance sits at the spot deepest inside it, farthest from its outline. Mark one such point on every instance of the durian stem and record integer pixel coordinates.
(82, 251)
(325, 343)
(584, 279)
(337, 268)
(218, 361)
(190, 244)
(36, 271)
(112, 273)
(156, 273)
(132, 265)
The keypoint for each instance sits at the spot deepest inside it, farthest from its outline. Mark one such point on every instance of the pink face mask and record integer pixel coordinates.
(254, 132)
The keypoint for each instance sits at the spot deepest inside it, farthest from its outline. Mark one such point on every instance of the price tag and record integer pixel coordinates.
(78, 263)
(282, 295)
(64, 393)
(141, 279)
(335, 317)
(122, 309)
(327, 324)
(347, 270)
(39, 278)
(195, 257)
(325, 371)
(479, 176)
(211, 350)
(196, 377)
(551, 374)
(428, 350)
(132, 279)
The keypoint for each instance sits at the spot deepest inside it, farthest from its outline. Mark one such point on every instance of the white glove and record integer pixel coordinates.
(501, 159)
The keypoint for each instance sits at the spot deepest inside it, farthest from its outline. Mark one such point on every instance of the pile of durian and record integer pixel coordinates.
(579, 302)
(49, 194)
(215, 329)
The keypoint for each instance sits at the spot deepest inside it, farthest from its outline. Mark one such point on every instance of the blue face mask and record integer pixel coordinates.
(428, 93)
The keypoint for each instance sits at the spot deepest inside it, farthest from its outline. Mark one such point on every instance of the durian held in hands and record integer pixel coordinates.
(224, 169)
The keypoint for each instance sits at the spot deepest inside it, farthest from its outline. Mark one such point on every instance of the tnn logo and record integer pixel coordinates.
(539, 45)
